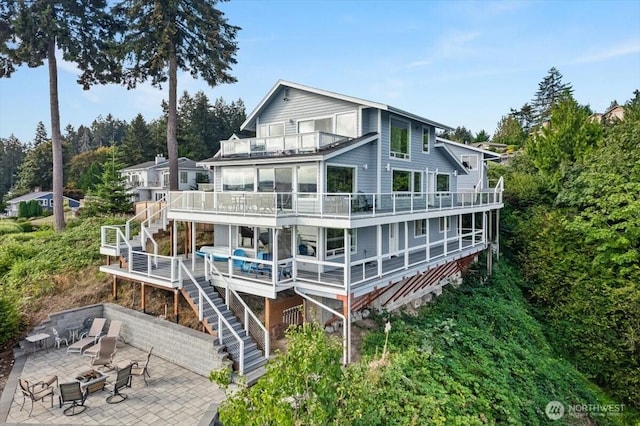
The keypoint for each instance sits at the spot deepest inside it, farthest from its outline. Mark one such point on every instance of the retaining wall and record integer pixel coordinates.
(180, 345)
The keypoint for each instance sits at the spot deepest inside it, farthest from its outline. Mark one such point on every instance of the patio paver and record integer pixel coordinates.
(174, 395)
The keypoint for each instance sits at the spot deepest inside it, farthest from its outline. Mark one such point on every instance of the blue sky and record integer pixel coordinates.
(461, 63)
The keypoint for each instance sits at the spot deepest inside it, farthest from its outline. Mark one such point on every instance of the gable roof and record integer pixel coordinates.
(34, 196)
(249, 123)
(486, 155)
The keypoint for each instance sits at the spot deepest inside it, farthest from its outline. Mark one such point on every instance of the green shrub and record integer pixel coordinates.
(9, 319)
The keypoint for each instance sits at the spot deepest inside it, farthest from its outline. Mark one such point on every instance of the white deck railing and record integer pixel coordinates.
(330, 205)
(286, 144)
(223, 325)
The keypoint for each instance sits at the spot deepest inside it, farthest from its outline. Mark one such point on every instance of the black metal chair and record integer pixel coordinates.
(123, 380)
(36, 392)
(72, 393)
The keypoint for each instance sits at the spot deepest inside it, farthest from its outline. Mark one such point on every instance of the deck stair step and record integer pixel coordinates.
(253, 356)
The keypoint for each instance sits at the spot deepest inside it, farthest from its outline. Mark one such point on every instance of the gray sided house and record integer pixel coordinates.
(149, 181)
(337, 205)
(44, 198)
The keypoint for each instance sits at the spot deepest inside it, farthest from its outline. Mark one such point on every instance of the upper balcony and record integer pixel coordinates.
(277, 145)
(329, 205)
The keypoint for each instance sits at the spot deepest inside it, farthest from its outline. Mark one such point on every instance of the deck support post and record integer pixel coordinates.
(267, 311)
(176, 296)
(143, 300)
(114, 287)
(187, 238)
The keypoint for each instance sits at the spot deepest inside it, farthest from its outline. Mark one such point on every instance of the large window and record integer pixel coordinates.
(335, 242)
(273, 129)
(442, 183)
(237, 179)
(266, 179)
(340, 179)
(308, 179)
(420, 228)
(399, 143)
(470, 162)
(346, 124)
(307, 241)
(426, 138)
(407, 181)
(316, 125)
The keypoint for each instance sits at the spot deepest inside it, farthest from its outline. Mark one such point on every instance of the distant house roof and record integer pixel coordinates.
(34, 196)
(249, 123)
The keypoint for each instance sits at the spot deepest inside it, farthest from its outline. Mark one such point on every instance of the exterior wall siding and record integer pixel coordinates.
(301, 105)
(365, 178)
(467, 182)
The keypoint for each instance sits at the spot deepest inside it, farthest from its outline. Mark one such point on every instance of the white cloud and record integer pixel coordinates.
(623, 49)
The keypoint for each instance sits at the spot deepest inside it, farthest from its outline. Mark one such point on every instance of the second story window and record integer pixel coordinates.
(273, 129)
(316, 125)
(307, 179)
(426, 138)
(442, 183)
(399, 146)
(237, 179)
(470, 162)
(407, 181)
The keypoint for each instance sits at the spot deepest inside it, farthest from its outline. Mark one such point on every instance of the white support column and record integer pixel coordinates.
(274, 257)
(379, 248)
(193, 246)
(229, 245)
(447, 221)
(428, 236)
(347, 260)
(473, 229)
(460, 231)
(406, 245)
(175, 238)
(497, 234)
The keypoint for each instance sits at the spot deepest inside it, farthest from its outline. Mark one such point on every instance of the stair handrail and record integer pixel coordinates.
(129, 222)
(499, 189)
(146, 224)
(221, 319)
(247, 311)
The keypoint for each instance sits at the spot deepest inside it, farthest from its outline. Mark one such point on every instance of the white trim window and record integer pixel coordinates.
(324, 125)
(343, 124)
(347, 124)
(335, 241)
(441, 224)
(426, 139)
(420, 228)
(443, 184)
(184, 177)
(406, 181)
(470, 161)
(237, 179)
(270, 129)
(399, 139)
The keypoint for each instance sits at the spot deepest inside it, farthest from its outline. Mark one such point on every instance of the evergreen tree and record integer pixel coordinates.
(509, 132)
(460, 134)
(164, 36)
(30, 33)
(86, 168)
(110, 196)
(482, 136)
(551, 91)
(11, 156)
(137, 147)
(525, 117)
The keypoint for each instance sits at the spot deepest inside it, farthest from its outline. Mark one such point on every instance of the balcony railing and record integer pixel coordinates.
(327, 205)
(286, 144)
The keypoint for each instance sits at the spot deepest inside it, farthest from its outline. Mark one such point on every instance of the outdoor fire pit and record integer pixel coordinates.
(92, 380)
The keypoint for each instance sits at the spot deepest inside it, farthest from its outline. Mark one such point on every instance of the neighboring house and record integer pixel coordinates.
(44, 198)
(150, 181)
(614, 112)
(338, 205)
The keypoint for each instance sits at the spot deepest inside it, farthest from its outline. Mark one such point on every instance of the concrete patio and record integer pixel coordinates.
(174, 395)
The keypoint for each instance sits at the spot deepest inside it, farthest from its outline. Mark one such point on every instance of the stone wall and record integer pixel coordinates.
(183, 346)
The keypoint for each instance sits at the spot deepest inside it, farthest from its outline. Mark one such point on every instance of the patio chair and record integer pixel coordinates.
(37, 391)
(72, 393)
(107, 347)
(140, 368)
(114, 331)
(86, 326)
(88, 339)
(123, 380)
(59, 339)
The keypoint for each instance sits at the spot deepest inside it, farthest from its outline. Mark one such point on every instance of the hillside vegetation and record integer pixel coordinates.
(474, 356)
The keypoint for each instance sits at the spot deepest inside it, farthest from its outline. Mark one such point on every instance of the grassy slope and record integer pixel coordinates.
(477, 356)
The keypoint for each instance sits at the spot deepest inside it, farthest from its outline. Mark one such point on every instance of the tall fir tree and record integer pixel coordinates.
(110, 196)
(164, 36)
(30, 33)
(551, 91)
